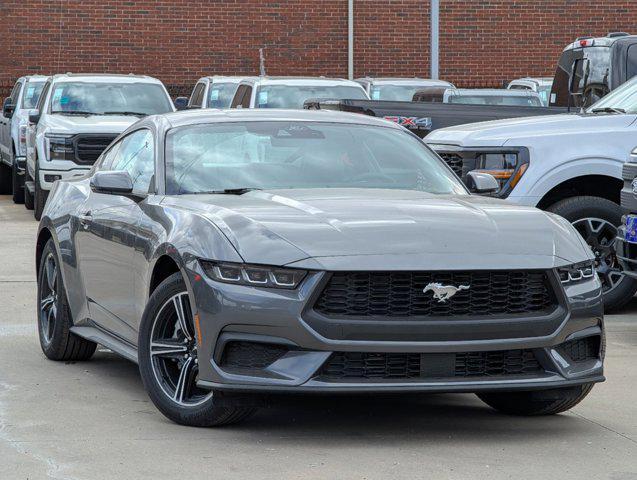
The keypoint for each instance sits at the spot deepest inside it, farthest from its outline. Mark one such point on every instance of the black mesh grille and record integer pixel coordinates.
(400, 294)
(582, 349)
(89, 147)
(251, 355)
(369, 366)
(454, 161)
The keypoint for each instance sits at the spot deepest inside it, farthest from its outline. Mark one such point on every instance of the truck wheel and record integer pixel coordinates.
(40, 200)
(5, 179)
(17, 185)
(54, 314)
(168, 361)
(534, 403)
(28, 199)
(597, 219)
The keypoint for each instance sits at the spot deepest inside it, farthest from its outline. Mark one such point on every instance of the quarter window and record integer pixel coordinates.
(196, 99)
(136, 155)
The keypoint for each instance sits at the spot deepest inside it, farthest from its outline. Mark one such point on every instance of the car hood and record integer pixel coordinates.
(499, 132)
(90, 123)
(387, 229)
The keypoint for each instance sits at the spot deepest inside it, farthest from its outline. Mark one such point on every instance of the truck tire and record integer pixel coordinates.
(5, 179)
(17, 185)
(28, 199)
(54, 314)
(597, 219)
(535, 403)
(40, 200)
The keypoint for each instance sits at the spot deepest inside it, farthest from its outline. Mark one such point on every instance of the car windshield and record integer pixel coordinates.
(622, 99)
(396, 92)
(526, 101)
(270, 155)
(100, 98)
(32, 94)
(220, 94)
(293, 96)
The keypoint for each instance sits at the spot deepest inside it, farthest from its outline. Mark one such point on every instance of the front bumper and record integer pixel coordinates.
(626, 253)
(282, 320)
(49, 176)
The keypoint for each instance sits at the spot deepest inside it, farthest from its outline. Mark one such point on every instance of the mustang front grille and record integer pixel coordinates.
(406, 366)
(437, 294)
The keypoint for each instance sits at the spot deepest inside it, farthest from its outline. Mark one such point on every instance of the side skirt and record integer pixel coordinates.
(97, 335)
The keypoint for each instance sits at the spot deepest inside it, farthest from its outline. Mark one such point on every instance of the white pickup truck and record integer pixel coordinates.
(76, 118)
(569, 164)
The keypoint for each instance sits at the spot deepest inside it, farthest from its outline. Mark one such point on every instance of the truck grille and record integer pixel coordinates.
(373, 366)
(88, 148)
(454, 161)
(387, 295)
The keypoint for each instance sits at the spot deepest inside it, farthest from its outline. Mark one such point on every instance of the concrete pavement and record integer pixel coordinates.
(93, 420)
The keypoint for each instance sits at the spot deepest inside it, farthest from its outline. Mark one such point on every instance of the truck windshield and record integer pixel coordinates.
(590, 67)
(100, 98)
(620, 100)
(520, 101)
(293, 96)
(396, 92)
(241, 156)
(31, 95)
(220, 94)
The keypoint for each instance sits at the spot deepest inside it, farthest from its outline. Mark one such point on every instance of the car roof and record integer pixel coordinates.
(202, 116)
(492, 92)
(408, 81)
(225, 78)
(606, 41)
(302, 81)
(31, 78)
(537, 80)
(104, 78)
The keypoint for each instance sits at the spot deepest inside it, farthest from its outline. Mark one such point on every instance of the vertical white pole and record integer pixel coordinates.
(350, 39)
(434, 13)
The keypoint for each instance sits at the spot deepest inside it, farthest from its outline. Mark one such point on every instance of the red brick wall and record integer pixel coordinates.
(483, 42)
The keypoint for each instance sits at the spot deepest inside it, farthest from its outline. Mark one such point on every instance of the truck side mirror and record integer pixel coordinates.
(34, 117)
(181, 103)
(8, 107)
(481, 183)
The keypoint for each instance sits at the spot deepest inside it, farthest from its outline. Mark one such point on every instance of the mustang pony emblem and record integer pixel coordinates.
(441, 292)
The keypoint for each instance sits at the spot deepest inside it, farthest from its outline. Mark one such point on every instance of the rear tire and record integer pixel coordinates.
(5, 179)
(54, 314)
(29, 201)
(535, 403)
(169, 369)
(597, 220)
(18, 184)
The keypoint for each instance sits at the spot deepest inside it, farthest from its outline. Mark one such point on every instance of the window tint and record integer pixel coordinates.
(43, 95)
(136, 155)
(239, 97)
(247, 95)
(220, 94)
(31, 94)
(108, 157)
(196, 99)
(294, 96)
(590, 67)
(15, 93)
(631, 62)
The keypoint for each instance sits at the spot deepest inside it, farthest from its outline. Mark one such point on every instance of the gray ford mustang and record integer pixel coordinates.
(237, 253)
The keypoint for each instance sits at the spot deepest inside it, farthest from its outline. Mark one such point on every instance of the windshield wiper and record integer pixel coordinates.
(229, 191)
(136, 114)
(75, 112)
(608, 110)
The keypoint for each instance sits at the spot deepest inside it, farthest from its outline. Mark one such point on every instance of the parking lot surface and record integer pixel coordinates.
(94, 421)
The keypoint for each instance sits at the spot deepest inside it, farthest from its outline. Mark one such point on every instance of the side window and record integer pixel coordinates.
(136, 155)
(238, 96)
(15, 93)
(245, 102)
(196, 99)
(108, 156)
(631, 62)
(43, 95)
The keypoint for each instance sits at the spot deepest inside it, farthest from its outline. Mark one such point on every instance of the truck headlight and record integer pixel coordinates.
(506, 167)
(253, 275)
(577, 272)
(60, 147)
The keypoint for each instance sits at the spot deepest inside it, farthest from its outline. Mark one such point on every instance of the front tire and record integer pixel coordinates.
(29, 201)
(5, 179)
(536, 403)
(168, 361)
(18, 184)
(54, 314)
(597, 219)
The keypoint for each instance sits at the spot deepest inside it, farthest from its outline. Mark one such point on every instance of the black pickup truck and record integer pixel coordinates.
(423, 117)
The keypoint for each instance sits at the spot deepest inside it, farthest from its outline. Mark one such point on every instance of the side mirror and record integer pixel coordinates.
(480, 182)
(112, 182)
(8, 108)
(181, 103)
(34, 116)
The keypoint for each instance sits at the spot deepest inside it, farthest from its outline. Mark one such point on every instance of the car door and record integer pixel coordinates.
(5, 124)
(32, 131)
(106, 238)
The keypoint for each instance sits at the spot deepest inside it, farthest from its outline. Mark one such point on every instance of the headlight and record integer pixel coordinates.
(506, 167)
(60, 147)
(253, 275)
(577, 272)
(22, 140)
